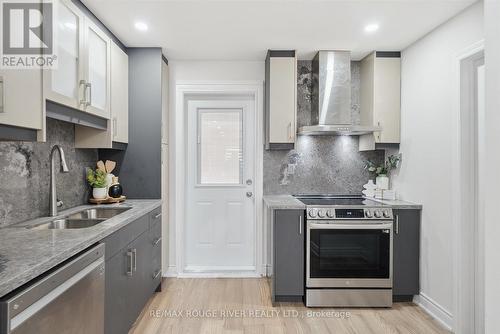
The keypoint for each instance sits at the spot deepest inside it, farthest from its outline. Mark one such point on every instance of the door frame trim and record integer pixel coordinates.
(177, 216)
(464, 298)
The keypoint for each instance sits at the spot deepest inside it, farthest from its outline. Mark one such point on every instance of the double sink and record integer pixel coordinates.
(81, 219)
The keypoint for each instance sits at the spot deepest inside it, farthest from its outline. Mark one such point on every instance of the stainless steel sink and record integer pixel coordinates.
(65, 223)
(98, 213)
(81, 219)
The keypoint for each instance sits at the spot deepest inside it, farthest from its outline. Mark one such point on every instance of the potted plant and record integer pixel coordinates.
(97, 180)
(383, 171)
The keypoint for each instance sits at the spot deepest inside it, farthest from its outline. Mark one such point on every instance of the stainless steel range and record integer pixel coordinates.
(348, 252)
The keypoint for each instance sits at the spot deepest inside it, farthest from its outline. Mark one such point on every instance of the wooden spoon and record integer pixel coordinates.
(110, 165)
(100, 166)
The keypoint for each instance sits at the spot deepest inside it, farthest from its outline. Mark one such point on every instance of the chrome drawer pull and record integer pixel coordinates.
(130, 260)
(158, 216)
(155, 275)
(157, 241)
(135, 258)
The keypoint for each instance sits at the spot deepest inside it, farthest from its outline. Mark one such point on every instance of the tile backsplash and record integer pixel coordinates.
(25, 174)
(319, 164)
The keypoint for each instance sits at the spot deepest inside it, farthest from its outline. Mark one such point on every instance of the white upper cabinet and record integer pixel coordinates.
(117, 130)
(381, 95)
(21, 98)
(62, 84)
(82, 77)
(119, 94)
(97, 70)
(281, 99)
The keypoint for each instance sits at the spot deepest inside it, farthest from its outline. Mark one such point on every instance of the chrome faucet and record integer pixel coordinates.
(54, 201)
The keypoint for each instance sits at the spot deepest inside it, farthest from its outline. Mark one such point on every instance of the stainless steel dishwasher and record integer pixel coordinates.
(69, 299)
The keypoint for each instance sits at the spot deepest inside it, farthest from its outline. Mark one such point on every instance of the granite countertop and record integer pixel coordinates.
(290, 202)
(28, 253)
(283, 202)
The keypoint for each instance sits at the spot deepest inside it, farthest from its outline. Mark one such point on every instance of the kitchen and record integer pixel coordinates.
(242, 163)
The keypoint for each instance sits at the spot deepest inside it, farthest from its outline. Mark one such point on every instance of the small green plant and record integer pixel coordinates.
(391, 163)
(97, 178)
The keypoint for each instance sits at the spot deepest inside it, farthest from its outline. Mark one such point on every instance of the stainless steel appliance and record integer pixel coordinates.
(69, 299)
(348, 252)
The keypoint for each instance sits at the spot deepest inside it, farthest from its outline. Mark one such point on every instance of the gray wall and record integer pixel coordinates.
(321, 164)
(24, 174)
(139, 166)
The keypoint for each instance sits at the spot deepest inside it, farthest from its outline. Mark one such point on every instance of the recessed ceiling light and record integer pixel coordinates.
(371, 27)
(141, 26)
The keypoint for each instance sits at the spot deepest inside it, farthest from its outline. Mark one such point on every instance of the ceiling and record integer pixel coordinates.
(245, 29)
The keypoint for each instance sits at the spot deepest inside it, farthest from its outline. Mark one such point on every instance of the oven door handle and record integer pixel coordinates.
(371, 226)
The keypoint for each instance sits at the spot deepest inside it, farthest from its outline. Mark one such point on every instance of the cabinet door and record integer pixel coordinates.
(21, 98)
(97, 70)
(288, 261)
(119, 94)
(406, 252)
(120, 309)
(282, 99)
(387, 99)
(62, 84)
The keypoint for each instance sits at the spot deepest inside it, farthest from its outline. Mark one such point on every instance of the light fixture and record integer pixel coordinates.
(141, 26)
(371, 27)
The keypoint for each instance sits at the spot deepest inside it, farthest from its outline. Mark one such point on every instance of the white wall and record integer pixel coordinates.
(492, 121)
(200, 71)
(426, 144)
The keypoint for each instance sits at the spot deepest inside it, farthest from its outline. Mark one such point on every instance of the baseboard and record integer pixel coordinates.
(171, 272)
(443, 316)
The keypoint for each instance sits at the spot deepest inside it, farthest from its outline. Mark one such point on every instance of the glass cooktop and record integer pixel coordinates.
(338, 200)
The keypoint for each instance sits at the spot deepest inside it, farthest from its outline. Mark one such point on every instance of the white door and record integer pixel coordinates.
(220, 224)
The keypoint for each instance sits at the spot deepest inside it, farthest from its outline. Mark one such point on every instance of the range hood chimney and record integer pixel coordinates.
(331, 98)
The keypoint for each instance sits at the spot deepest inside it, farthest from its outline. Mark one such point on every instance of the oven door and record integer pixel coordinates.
(349, 254)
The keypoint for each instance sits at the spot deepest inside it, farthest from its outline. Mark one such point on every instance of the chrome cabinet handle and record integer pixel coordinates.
(158, 216)
(397, 225)
(130, 260)
(300, 224)
(157, 241)
(84, 100)
(2, 95)
(114, 127)
(156, 274)
(89, 101)
(249, 194)
(134, 251)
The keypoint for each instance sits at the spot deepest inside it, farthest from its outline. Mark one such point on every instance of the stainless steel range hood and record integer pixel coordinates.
(331, 98)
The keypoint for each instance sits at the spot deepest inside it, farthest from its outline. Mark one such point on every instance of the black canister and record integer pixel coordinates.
(115, 190)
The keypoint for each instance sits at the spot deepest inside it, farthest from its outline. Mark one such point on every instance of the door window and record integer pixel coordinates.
(220, 142)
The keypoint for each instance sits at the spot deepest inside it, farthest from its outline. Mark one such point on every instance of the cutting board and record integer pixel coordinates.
(109, 200)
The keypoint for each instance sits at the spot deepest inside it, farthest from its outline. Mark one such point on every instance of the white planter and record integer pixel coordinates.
(99, 193)
(382, 182)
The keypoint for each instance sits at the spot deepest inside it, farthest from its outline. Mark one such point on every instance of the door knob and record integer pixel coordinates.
(249, 182)
(249, 194)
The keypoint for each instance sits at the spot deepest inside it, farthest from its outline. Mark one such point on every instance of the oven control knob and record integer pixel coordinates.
(330, 213)
(368, 214)
(378, 214)
(387, 214)
(312, 213)
(321, 213)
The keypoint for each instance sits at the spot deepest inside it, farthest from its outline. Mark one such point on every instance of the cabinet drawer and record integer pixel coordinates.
(121, 238)
(155, 218)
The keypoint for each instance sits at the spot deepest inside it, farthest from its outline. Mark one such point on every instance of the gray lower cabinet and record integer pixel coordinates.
(131, 271)
(406, 282)
(288, 232)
